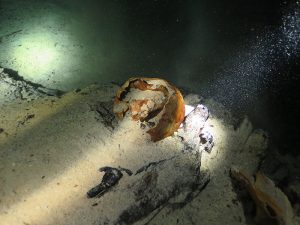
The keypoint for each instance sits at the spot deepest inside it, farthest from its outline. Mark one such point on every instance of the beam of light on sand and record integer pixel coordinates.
(66, 191)
(44, 111)
(40, 206)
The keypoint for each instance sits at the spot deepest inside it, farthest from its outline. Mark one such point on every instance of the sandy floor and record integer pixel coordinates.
(51, 148)
(50, 160)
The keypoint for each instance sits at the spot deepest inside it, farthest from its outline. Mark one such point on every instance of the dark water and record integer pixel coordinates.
(245, 54)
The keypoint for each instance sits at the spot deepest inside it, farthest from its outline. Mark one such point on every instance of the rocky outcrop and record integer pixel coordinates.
(14, 87)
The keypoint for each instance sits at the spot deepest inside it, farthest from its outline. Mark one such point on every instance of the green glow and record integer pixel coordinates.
(60, 48)
(37, 54)
(41, 56)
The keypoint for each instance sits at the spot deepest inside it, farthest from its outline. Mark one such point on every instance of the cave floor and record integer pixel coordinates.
(52, 148)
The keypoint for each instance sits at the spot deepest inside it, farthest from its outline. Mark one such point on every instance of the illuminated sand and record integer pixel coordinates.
(48, 163)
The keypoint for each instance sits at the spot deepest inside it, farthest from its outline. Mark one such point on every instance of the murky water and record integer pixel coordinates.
(244, 54)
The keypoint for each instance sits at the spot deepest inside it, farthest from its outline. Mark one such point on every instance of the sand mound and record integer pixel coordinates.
(52, 148)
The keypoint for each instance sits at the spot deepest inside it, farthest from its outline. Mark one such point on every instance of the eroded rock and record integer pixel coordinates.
(272, 205)
(14, 87)
(191, 132)
(153, 101)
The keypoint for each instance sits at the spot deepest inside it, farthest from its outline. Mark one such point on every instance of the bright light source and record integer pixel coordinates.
(36, 54)
(188, 109)
(41, 56)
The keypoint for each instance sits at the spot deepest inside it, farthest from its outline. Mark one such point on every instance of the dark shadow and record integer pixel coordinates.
(29, 148)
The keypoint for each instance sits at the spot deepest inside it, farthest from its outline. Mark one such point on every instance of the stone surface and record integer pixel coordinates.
(14, 87)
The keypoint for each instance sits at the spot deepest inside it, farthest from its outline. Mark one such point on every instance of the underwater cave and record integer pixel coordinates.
(149, 112)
